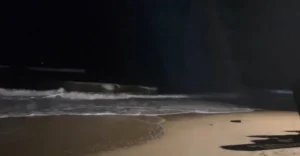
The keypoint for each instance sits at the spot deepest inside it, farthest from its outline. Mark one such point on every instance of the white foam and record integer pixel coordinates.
(109, 86)
(149, 88)
(56, 114)
(29, 93)
(6, 93)
(77, 95)
(113, 114)
(91, 96)
(201, 107)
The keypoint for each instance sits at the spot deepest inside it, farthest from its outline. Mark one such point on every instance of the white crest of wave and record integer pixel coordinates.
(129, 114)
(77, 95)
(109, 86)
(30, 93)
(91, 96)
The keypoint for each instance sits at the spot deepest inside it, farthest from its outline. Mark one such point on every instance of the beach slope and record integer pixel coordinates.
(240, 134)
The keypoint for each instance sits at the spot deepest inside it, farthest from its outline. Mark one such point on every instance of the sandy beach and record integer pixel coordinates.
(247, 134)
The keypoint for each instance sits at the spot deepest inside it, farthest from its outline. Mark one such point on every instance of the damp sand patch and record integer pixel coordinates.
(75, 135)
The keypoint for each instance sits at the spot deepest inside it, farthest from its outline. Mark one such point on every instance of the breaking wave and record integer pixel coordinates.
(61, 93)
(20, 103)
(108, 113)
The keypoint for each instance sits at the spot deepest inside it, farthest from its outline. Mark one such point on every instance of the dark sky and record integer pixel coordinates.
(180, 45)
(268, 42)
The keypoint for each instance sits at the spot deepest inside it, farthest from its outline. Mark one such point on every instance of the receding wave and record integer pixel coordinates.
(61, 93)
(29, 93)
(46, 107)
(9, 115)
(19, 103)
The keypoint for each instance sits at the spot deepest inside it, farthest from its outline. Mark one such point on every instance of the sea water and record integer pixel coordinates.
(19, 103)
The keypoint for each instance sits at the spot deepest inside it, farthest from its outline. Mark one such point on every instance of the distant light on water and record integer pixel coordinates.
(281, 91)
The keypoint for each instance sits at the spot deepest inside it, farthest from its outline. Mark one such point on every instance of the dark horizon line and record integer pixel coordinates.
(50, 69)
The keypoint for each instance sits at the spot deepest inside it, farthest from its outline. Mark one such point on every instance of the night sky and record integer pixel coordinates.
(182, 46)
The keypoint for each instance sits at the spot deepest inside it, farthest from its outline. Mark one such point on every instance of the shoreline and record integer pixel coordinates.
(216, 134)
(117, 135)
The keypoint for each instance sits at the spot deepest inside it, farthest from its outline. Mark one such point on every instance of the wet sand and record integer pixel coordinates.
(74, 135)
(246, 134)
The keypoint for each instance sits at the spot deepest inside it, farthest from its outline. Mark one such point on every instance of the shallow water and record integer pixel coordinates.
(18, 103)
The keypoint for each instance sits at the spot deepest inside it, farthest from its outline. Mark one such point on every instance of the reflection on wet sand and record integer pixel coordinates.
(74, 135)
